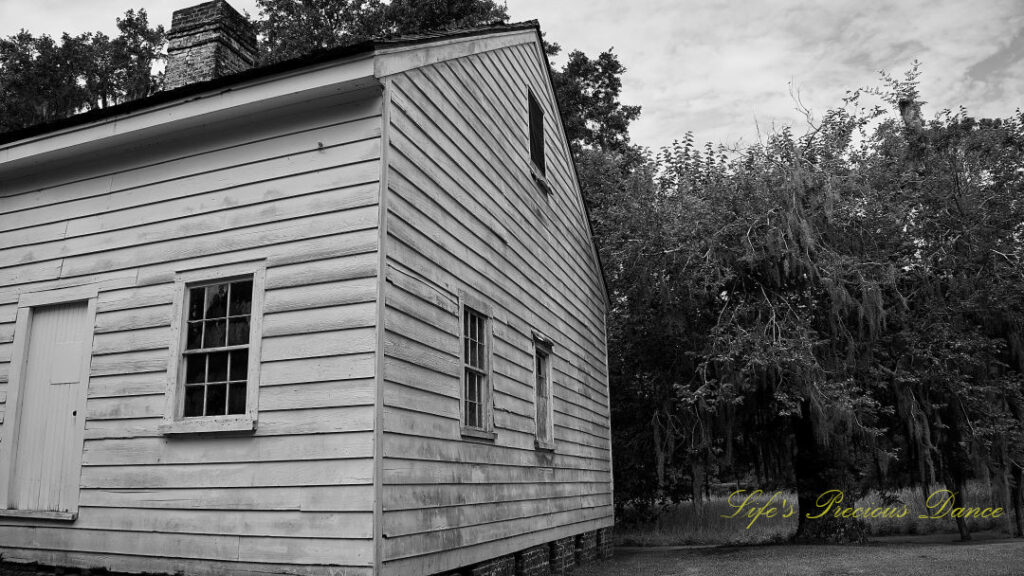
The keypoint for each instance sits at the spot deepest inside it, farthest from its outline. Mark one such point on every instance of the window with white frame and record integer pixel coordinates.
(216, 351)
(475, 368)
(476, 359)
(542, 389)
(215, 355)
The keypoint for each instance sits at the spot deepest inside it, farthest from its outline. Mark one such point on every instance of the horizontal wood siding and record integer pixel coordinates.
(463, 213)
(299, 189)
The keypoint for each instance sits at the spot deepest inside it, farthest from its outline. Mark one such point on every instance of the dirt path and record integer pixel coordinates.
(905, 556)
(934, 555)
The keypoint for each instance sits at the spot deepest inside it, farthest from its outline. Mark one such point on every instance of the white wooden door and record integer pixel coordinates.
(47, 453)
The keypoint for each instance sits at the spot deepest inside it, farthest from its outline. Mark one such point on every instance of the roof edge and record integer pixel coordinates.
(225, 82)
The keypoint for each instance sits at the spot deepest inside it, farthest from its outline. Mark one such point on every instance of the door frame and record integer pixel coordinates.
(27, 303)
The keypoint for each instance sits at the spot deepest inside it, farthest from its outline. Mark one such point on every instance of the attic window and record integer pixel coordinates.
(536, 134)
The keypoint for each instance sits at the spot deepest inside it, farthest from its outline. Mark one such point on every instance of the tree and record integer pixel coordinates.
(39, 79)
(42, 79)
(588, 95)
(290, 28)
(821, 311)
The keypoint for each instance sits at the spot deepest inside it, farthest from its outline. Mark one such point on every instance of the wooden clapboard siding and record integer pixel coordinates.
(8, 313)
(298, 189)
(134, 563)
(464, 214)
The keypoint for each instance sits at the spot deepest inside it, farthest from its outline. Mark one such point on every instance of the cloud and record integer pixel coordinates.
(722, 68)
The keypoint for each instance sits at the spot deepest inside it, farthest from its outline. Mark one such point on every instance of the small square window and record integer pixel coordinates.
(536, 134)
(213, 376)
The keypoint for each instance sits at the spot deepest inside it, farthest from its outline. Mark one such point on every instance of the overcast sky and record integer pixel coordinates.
(723, 68)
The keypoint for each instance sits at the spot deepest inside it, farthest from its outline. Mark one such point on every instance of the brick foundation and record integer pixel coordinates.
(556, 558)
(533, 561)
(562, 556)
(503, 566)
(605, 543)
(586, 547)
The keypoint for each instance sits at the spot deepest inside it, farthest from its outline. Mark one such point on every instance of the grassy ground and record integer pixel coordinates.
(706, 523)
(935, 555)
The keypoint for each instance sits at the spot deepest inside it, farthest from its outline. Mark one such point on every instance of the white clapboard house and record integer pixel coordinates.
(337, 315)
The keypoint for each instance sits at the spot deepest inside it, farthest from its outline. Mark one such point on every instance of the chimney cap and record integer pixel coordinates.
(207, 41)
(189, 20)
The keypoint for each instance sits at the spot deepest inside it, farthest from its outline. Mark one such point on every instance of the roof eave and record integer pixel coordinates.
(187, 107)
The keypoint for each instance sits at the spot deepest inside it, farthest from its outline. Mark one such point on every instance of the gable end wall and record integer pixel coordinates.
(464, 214)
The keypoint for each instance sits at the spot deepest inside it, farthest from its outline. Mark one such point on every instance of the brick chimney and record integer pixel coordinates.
(208, 41)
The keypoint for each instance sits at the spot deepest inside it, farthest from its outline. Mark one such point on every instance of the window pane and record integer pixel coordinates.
(216, 301)
(194, 338)
(214, 336)
(195, 368)
(542, 372)
(471, 387)
(216, 399)
(241, 298)
(239, 364)
(218, 367)
(196, 298)
(236, 398)
(238, 331)
(194, 400)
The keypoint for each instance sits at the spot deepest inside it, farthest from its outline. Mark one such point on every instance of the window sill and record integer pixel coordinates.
(478, 434)
(40, 515)
(232, 425)
(540, 179)
(543, 445)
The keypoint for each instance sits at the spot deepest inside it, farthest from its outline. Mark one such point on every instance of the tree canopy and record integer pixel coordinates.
(290, 28)
(839, 309)
(43, 79)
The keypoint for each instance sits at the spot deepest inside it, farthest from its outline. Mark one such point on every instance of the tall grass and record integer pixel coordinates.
(976, 494)
(706, 522)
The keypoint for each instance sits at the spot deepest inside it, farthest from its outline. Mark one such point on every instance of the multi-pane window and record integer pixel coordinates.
(216, 353)
(536, 133)
(475, 359)
(542, 373)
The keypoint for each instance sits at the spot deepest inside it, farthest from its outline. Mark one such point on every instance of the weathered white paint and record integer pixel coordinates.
(297, 193)
(371, 216)
(42, 478)
(466, 217)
